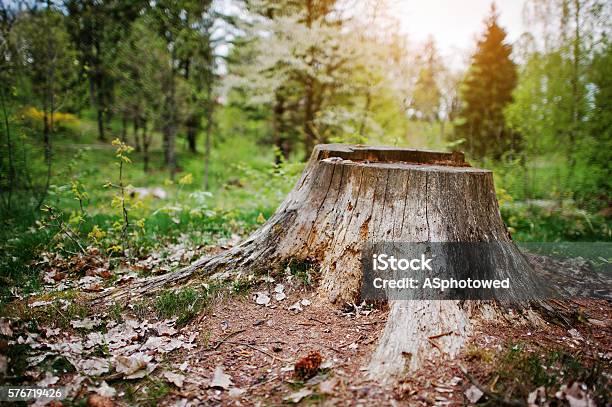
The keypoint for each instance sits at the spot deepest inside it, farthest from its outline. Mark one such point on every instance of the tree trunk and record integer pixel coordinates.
(146, 140)
(124, 127)
(208, 140)
(136, 139)
(100, 119)
(191, 139)
(350, 195)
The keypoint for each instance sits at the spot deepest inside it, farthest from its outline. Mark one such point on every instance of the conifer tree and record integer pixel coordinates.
(486, 90)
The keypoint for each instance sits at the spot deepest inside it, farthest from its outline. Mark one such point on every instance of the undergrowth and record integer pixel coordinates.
(520, 369)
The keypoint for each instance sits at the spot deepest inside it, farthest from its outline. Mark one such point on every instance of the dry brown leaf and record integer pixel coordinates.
(473, 394)
(298, 396)
(220, 379)
(94, 366)
(176, 379)
(135, 366)
(104, 390)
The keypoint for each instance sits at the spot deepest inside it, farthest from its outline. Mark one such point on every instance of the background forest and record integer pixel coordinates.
(132, 129)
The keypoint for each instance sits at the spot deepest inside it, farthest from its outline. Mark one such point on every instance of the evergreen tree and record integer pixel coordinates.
(486, 90)
(426, 97)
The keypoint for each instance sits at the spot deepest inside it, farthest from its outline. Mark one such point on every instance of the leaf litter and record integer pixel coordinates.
(101, 349)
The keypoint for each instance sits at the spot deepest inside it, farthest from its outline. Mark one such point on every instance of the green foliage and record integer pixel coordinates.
(561, 102)
(528, 223)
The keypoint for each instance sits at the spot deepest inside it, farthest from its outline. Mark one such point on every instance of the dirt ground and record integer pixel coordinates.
(240, 351)
(258, 346)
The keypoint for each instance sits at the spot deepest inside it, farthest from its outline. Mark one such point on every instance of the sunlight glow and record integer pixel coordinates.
(454, 24)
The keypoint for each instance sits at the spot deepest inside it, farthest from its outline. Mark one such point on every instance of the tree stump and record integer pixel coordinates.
(348, 195)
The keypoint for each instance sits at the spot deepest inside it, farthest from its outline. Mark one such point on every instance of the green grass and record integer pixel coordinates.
(520, 371)
(183, 304)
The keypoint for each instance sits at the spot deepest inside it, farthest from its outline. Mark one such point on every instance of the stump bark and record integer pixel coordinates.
(348, 195)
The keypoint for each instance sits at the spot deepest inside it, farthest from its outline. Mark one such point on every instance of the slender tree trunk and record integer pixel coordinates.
(575, 109)
(208, 141)
(192, 132)
(9, 148)
(100, 119)
(48, 154)
(94, 99)
(169, 128)
(145, 146)
(135, 130)
(309, 132)
(277, 128)
(366, 112)
(170, 148)
(124, 127)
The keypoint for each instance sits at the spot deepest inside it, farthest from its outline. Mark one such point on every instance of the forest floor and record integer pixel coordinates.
(215, 344)
(246, 343)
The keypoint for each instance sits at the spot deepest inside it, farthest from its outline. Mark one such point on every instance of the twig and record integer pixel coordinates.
(355, 341)
(440, 335)
(227, 337)
(501, 401)
(434, 344)
(259, 350)
(264, 382)
(316, 320)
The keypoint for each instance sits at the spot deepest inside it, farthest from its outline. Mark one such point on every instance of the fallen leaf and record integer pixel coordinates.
(37, 304)
(295, 307)
(104, 390)
(220, 380)
(298, 396)
(93, 366)
(95, 400)
(86, 323)
(174, 378)
(48, 380)
(164, 328)
(575, 395)
(328, 364)
(5, 327)
(535, 397)
(135, 366)
(575, 334)
(49, 332)
(236, 393)
(36, 359)
(327, 386)
(262, 298)
(473, 394)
